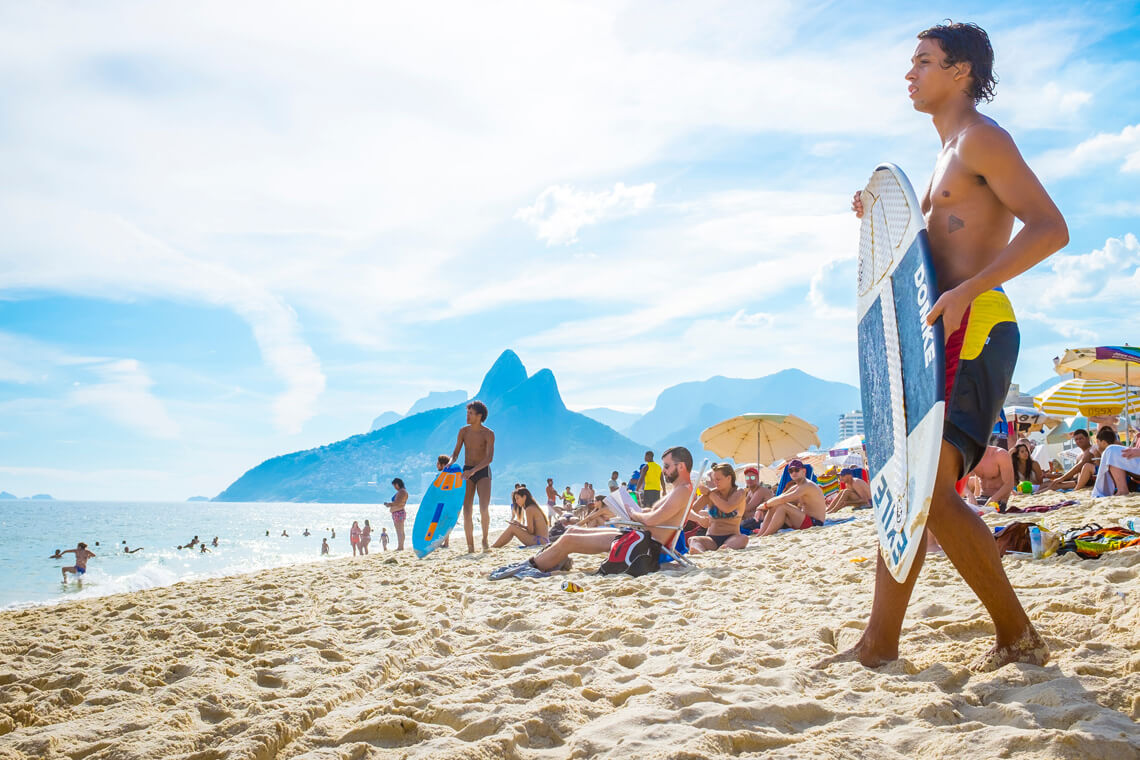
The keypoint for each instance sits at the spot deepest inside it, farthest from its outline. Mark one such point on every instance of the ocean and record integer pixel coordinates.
(30, 531)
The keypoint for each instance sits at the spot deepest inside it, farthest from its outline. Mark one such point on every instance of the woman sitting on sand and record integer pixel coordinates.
(720, 511)
(1024, 468)
(528, 522)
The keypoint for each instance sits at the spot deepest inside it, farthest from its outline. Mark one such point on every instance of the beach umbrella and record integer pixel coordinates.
(1020, 416)
(763, 437)
(1061, 433)
(1118, 364)
(1082, 396)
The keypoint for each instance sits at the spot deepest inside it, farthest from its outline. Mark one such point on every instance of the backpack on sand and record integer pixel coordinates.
(634, 552)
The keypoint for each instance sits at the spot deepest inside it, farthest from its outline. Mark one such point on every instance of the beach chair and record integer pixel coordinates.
(785, 478)
(620, 502)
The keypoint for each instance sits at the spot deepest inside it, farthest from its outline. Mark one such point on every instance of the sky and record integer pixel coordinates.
(230, 231)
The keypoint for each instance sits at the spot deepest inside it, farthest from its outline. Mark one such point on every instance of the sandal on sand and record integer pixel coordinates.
(526, 569)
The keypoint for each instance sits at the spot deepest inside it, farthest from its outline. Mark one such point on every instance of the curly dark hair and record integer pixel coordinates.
(967, 43)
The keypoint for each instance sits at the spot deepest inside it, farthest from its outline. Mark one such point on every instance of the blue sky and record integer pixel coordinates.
(235, 231)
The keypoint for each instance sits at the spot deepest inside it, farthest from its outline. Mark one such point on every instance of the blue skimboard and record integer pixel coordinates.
(439, 511)
(901, 364)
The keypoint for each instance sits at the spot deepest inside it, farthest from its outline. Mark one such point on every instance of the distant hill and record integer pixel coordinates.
(437, 400)
(1046, 385)
(619, 421)
(683, 411)
(6, 495)
(386, 419)
(536, 437)
(434, 400)
(199, 498)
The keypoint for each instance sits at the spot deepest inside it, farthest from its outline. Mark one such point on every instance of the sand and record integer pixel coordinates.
(392, 657)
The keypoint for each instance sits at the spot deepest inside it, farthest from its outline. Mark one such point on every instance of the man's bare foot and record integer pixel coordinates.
(1030, 649)
(863, 653)
(470, 548)
(486, 546)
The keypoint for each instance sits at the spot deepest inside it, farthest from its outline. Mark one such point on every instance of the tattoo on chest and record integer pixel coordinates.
(955, 224)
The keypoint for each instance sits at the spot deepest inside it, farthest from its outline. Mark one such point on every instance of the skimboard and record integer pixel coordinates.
(901, 364)
(439, 511)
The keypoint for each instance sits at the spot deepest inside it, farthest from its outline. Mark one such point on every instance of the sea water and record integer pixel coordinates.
(30, 531)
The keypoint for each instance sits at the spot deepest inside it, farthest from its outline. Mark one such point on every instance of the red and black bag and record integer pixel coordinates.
(634, 552)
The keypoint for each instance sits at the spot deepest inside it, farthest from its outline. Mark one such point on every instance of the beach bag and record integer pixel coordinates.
(1090, 544)
(1014, 538)
(634, 552)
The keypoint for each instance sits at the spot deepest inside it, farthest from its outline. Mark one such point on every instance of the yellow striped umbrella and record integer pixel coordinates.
(1092, 398)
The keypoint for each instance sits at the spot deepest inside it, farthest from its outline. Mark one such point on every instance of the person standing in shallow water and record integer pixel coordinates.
(354, 537)
(980, 185)
(398, 506)
(478, 442)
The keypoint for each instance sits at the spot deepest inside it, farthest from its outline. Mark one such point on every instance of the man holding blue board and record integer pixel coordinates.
(980, 185)
(478, 440)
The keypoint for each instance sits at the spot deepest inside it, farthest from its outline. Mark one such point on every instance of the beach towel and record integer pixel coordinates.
(1112, 456)
(829, 481)
(1040, 507)
(1095, 541)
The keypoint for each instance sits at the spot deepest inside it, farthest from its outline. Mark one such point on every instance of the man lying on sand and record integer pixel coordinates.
(980, 185)
(855, 494)
(676, 464)
(800, 506)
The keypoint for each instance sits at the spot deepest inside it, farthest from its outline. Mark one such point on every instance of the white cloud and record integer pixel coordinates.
(1122, 148)
(1083, 277)
(560, 211)
(124, 397)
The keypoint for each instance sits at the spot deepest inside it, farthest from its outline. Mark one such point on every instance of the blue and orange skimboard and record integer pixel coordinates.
(439, 511)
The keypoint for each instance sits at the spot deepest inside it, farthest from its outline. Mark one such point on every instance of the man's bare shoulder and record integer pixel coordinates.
(983, 141)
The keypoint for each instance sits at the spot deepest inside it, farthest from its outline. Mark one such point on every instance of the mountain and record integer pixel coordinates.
(434, 400)
(6, 495)
(619, 421)
(683, 411)
(536, 437)
(437, 400)
(386, 419)
(1046, 385)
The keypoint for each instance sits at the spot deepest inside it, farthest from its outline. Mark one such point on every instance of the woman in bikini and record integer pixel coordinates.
(1024, 468)
(399, 513)
(365, 537)
(528, 522)
(354, 537)
(720, 511)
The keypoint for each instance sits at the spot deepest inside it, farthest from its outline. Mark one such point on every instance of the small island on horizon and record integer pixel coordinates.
(4, 495)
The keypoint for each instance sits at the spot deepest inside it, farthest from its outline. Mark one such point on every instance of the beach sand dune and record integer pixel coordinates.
(392, 657)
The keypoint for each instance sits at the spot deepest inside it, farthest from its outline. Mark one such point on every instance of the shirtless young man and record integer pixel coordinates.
(676, 465)
(800, 506)
(992, 478)
(81, 557)
(1088, 455)
(478, 442)
(980, 185)
(856, 494)
(551, 500)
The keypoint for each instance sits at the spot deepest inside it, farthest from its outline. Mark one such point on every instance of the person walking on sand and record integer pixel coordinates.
(398, 506)
(980, 186)
(354, 538)
(478, 442)
(81, 557)
(365, 537)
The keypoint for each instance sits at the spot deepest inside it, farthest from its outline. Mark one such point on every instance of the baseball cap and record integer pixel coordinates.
(751, 471)
(794, 464)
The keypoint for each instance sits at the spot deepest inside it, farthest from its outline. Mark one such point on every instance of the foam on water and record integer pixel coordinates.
(31, 531)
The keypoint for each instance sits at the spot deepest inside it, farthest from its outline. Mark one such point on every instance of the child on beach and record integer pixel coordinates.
(384, 539)
(80, 566)
(980, 185)
(324, 546)
(478, 440)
